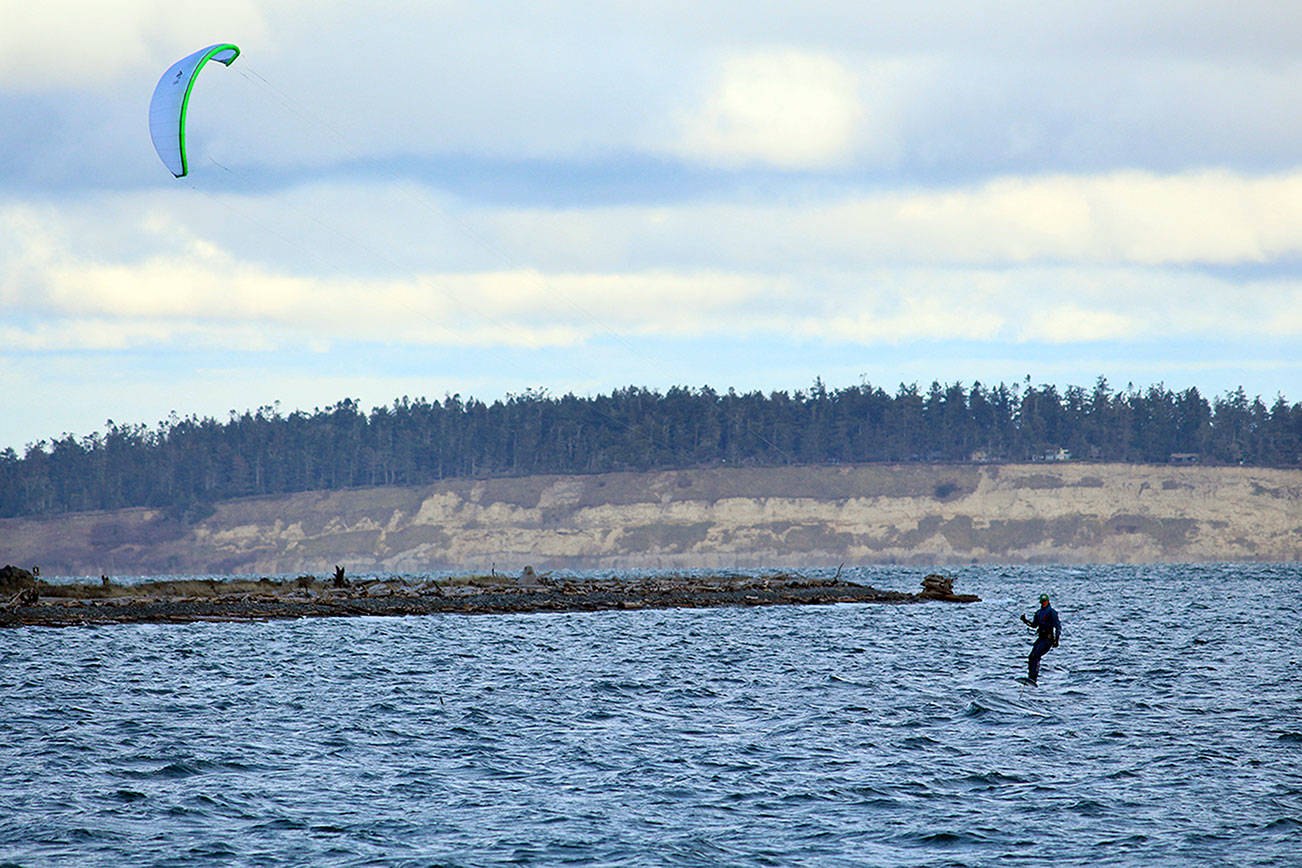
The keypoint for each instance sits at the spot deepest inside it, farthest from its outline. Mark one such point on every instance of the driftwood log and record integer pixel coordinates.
(25, 597)
(938, 587)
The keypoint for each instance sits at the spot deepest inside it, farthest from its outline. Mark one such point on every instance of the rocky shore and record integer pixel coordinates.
(30, 602)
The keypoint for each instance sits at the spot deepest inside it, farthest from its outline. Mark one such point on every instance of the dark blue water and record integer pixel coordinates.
(1167, 729)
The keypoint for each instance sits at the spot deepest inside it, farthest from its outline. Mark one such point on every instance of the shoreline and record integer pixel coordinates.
(234, 601)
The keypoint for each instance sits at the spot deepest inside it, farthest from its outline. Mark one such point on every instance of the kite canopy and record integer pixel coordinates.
(171, 99)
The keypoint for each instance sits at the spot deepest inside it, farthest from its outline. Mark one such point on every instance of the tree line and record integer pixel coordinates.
(186, 463)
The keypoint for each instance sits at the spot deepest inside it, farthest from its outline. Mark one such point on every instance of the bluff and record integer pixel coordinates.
(918, 514)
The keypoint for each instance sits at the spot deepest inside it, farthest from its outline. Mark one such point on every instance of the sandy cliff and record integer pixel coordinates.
(798, 516)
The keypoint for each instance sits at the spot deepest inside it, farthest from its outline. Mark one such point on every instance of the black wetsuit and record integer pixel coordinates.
(1048, 629)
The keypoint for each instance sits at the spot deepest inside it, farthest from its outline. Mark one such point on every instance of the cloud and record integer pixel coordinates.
(115, 334)
(901, 317)
(782, 107)
(1071, 322)
(1055, 260)
(895, 93)
(1047, 305)
(1135, 217)
(172, 299)
(1196, 218)
(89, 44)
(213, 301)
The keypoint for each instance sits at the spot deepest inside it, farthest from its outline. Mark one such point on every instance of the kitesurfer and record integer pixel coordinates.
(1048, 629)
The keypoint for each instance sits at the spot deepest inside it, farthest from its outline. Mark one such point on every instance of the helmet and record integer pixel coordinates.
(1044, 598)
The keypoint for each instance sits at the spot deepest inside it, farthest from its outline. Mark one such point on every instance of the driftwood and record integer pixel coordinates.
(25, 597)
(938, 587)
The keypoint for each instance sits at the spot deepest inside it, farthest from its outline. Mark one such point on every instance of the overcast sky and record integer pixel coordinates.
(478, 198)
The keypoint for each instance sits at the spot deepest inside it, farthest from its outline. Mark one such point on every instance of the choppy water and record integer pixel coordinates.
(1167, 729)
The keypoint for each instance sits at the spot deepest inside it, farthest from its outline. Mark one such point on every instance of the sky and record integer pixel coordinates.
(480, 198)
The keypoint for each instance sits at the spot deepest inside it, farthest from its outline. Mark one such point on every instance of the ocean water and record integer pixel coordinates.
(1166, 730)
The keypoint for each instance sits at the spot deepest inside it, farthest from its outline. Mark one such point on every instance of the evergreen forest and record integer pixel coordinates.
(186, 463)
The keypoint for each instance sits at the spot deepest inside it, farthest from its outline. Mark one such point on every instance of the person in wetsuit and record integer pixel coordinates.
(1048, 629)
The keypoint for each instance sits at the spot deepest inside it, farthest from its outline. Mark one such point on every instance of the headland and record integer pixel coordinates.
(718, 518)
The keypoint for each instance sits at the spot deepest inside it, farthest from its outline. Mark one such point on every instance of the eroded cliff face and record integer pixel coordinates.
(778, 517)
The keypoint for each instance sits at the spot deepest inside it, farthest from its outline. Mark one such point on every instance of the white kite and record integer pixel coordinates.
(172, 98)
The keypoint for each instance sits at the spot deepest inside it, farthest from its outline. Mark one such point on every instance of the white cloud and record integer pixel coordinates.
(1124, 217)
(112, 334)
(901, 317)
(944, 89)
(1070, 322)
(782, 107)
(169, 299)
(217, 303)
(1193, 218)
(87, 44)
(1057, 260)
(1048, 305)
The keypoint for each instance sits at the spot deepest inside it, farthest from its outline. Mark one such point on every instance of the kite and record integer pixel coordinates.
(171, 100)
